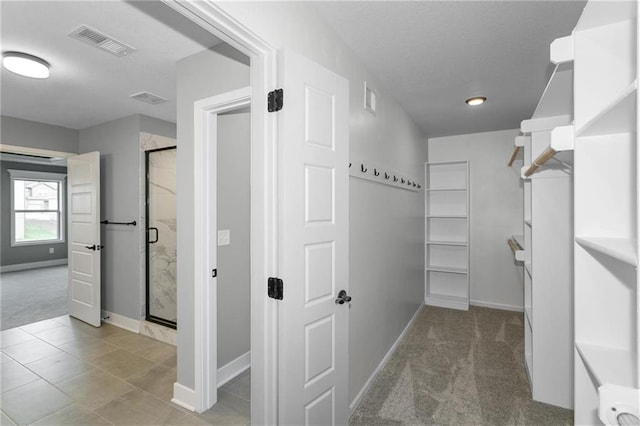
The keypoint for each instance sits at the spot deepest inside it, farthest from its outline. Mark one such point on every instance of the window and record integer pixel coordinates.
(37, 207)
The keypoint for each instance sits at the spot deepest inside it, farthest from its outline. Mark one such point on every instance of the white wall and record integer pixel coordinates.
(16, 255)
(117, 142)
(233, 214)
(496, 213)
(198, 76)
(19, 132)
(386, 226)
(119, 147)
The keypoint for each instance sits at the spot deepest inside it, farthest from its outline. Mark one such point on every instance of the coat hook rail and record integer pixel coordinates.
(380, 174)
(109, 222)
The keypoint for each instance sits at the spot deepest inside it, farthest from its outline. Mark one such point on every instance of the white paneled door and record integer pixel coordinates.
(83, 195)
(313, 324)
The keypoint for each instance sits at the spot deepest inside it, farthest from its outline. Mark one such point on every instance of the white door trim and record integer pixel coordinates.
(15, 149)
(205, 147)
(264, 219)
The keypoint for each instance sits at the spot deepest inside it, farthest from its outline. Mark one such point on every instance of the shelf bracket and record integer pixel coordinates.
(544, 123)
(521, 140)
(562, 138)
(561, 50)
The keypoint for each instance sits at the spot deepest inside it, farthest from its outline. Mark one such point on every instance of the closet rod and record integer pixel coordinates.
(108, 222)
(542, 158)
(514, 247)
(513, 156)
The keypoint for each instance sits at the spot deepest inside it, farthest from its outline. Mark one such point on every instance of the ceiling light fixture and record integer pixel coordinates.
(475, 101)
(25, 64)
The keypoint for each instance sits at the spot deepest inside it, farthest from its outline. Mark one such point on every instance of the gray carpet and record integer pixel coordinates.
(458, 368)
(32, 295)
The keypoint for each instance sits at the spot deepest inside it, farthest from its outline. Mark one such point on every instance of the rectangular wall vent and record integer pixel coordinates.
(149, 98)
(100, 40)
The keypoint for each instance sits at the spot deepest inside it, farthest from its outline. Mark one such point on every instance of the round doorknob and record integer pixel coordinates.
(343, 297)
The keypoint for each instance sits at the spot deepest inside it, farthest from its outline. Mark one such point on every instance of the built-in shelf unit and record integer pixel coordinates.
(447, 234)
(548, 235)
(607, 374)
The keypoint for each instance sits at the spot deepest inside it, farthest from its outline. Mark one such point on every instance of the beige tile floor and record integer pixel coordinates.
(64, 372)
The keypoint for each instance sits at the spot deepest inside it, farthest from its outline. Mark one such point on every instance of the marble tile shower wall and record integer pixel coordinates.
(162, 215)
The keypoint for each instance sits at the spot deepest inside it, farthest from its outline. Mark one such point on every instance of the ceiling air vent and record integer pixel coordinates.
(102, 41)
(149, 98)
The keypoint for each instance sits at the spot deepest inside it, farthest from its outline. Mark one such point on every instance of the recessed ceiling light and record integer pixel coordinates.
(478, 100)
(25, 64)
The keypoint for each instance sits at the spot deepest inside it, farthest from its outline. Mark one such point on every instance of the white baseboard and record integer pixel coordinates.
(493, 305)
(184, 397)
(32, 265)
(234, 368)
(365, 388)
(121, 321)
(446, 303)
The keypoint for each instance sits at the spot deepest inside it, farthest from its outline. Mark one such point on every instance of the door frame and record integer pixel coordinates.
(147, 310)
(16, 149)
(206, 113)
(264, 203)
(25, 150)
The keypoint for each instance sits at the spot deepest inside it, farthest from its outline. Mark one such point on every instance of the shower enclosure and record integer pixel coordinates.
(161, 236)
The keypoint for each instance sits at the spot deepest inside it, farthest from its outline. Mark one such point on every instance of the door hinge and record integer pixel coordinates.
(275, 288)
(214, 273)
(275, 99)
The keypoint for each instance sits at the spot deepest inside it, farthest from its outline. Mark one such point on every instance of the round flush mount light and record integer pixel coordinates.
(25, 64)
(475, 101)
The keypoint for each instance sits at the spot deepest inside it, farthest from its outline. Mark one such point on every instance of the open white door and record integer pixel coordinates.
(83, 195)
(313, 326)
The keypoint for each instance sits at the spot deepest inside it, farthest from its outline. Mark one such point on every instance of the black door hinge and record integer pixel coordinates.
(214, 273)
(275, 288)
(275, 100)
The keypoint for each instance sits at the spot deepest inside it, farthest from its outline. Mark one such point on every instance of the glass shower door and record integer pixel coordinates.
(161, 236)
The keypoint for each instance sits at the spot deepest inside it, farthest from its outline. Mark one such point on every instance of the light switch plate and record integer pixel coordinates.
(224, 237)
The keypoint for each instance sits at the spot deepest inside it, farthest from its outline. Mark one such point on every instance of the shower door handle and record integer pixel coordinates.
(157, 235)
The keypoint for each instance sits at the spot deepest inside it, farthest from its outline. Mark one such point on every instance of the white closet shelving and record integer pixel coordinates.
(447, 234)
(607, 375)
(548, 236)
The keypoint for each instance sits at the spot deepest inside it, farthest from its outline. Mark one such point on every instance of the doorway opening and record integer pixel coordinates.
(34, 250)
(161, 243)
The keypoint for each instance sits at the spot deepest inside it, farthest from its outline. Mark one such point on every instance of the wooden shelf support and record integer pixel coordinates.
(562, 138)
(540, 160)
(513, 156)
(516, 248)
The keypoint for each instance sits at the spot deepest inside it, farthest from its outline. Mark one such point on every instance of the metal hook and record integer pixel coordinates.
(409, 183)
(363, 169)
(395, 179)
(419, 186)
(376, 172)
(386, 175)
(349, 165)
(414, 184)
(402, 180)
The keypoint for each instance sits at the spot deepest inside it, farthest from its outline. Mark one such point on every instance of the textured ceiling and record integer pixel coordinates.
(431, 56)
(89, 86)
